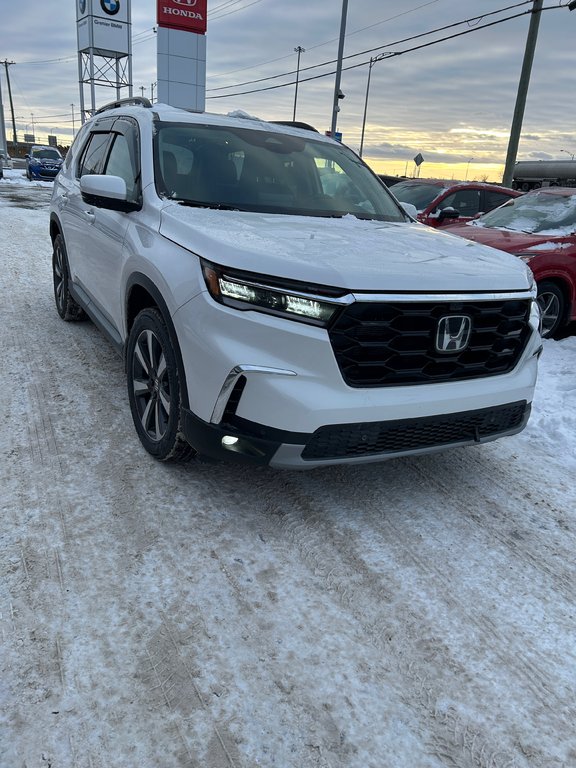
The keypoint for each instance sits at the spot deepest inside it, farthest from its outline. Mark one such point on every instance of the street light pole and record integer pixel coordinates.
(335, 107)
(568, 153)
(73, 123)
(299, 50)
(522, 92)
(467, 167)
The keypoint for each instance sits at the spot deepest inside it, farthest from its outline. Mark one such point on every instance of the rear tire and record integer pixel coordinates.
(154, 389)
(553, 308)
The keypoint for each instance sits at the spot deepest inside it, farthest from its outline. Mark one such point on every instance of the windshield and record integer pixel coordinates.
(266, 171)
(46, 154)
(419, 194)
(534, 212)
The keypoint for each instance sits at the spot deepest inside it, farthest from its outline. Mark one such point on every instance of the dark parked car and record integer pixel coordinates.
(540, 228)
(43, 163)
(390, 181)
(441, 202)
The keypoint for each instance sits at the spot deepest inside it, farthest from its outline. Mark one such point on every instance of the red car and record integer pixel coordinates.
(440, 202)
(540, 228)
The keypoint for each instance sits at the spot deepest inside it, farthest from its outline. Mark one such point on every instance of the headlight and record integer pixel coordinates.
(250, 292)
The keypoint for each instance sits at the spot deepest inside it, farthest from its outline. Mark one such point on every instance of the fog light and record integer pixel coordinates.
(228, 441)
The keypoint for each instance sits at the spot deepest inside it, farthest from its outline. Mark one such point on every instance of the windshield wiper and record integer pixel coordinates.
(203, 204)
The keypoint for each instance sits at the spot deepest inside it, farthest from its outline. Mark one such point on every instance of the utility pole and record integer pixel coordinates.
(6, 65)
(299, 50)
(522, 92)
(337, 92)
(372, 60)
(3, 144)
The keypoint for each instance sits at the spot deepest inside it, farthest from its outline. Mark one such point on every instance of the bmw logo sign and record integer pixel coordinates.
(82, 6)
(111, 7)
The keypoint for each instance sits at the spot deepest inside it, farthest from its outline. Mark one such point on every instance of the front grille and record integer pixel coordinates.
(394, 343)
(381, 437)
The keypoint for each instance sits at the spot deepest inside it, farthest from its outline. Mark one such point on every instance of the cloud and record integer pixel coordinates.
(454, 100)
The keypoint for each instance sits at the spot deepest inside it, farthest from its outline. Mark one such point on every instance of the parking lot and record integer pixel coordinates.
(418, 613)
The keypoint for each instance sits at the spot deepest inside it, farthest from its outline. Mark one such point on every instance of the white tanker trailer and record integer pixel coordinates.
(533, 174)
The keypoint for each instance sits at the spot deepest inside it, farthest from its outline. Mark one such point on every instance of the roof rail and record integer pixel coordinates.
(295, 124)
(134, 101)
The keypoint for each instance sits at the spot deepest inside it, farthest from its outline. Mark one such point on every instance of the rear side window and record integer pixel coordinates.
(94, 153)
(76, 144)
(494, 199)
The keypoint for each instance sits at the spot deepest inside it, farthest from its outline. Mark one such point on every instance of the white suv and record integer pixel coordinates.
(274, 303)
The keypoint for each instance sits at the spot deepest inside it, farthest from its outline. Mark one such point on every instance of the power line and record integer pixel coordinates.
(371, 50)
(211, 16)
(390, 54)
(326, 42)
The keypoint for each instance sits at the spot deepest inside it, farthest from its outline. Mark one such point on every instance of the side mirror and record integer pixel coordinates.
(448, 213)
(106, 192)
(27, 157)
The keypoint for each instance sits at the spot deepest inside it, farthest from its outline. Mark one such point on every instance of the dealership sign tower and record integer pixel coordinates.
(182, 53)
(104, 48)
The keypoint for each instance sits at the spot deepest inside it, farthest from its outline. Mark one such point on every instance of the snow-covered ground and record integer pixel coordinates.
(420, 613)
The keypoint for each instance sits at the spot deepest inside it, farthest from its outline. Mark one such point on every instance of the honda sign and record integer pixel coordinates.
(189, 15)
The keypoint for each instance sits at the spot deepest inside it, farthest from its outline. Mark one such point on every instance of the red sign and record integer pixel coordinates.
(189, 15)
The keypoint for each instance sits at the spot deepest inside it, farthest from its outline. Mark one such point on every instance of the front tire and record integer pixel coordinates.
(67, 308)
(154, 388)
(553, 308)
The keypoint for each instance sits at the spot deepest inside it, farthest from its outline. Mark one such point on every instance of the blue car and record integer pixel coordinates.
(43, 163)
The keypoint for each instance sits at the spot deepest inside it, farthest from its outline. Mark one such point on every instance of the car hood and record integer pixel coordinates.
(346, 252)
(503, 239)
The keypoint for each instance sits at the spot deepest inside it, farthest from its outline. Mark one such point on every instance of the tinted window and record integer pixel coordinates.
(76, 144)
(46, 153)
(494, 199)
(465, 201)
(419, 194)
(122, 162)
(94, 153)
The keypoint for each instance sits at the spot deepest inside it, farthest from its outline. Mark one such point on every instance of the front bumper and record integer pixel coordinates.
(43, 174)
(252, 443)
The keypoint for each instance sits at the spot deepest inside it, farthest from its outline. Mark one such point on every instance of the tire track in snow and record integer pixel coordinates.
(350, 581)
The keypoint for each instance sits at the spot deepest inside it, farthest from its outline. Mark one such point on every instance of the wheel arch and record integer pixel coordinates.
(55, 228)
(142, 293)
(565, 285)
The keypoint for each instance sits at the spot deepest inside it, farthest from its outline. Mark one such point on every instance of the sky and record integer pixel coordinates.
(452, 101)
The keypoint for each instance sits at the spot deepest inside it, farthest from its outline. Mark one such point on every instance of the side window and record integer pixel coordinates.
(493, 200)
(93, 155)
(122, 161)
(466, 201)
(72, 153)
